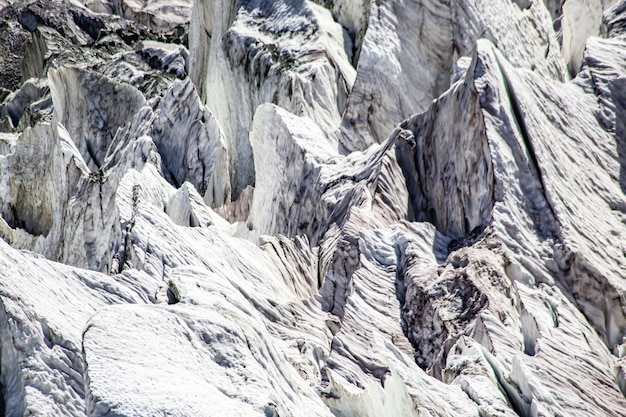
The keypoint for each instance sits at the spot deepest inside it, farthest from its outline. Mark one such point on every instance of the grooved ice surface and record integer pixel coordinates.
(312, 208)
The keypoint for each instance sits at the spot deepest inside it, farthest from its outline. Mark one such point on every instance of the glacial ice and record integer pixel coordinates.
(312, 208)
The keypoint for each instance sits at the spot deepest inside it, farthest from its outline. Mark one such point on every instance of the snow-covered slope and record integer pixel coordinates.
(312, 208)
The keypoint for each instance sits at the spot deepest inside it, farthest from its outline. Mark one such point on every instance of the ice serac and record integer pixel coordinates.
(288, 52)
(410, 49)
(189, 139)
(232, 315)
(22, 101)
(88, 105)
(353, 17)
(599, 145)
(159, 15)
(361, 203)
(446, 157)
(286, 147)
(575, 21)
(336, 184)
(280, 334)
(53, 204)
(522, 272)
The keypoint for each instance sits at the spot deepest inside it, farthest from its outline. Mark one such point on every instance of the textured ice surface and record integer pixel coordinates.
(312, 208)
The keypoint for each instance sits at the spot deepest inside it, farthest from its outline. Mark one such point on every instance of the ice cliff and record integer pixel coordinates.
(313, 208)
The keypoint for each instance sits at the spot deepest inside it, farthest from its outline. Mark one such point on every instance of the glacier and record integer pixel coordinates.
(313, 208)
